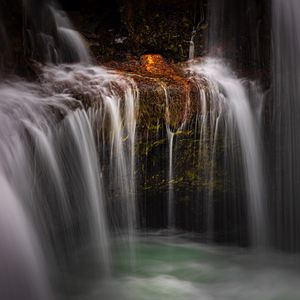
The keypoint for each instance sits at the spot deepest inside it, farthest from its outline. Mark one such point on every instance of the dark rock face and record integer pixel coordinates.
(118, 29)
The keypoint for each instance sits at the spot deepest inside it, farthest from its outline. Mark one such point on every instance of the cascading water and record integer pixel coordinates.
(21, 258)
(68, 145)
(230, 104)
(50, 160)
(115, 106)
(80, 128)
(51, 173)
(54, 41)
(72, 47)
(39, 165)
(286, 123)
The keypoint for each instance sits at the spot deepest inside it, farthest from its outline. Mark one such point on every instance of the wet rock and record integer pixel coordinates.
(166, 91)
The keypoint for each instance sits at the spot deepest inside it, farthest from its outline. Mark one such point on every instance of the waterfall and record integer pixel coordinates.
(80, 129)
(54, 165)
(233, 116)
(71, 44)
(54, 40)
(231, 104)
(286, 122)
(114, 102)
(68, 158)
(39, 164)
(68, 148)
(21, 258)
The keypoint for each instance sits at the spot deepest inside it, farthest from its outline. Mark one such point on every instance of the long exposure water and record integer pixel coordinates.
(51, 176)
(239, 108)
(69, 174)
(178, 268)
(230, 108)
(286, 93)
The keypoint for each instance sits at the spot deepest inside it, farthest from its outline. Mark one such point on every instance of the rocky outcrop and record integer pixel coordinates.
(119, 29)
(167, 93)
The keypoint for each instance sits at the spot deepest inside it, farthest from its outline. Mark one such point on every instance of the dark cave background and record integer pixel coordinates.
(120, 30)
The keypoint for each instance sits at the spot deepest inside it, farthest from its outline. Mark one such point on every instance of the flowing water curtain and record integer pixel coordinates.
(114, 102)
(209, 131)
(50, 167)
(49, 35)
(230, 106)
(88, 190)
(243, 154)
(50, 160)
(286, 122)
(116, 129)
(22, 261)
(17, 105)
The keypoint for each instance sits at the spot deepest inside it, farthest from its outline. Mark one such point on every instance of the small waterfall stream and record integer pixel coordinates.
(192, 46)
(170, 137)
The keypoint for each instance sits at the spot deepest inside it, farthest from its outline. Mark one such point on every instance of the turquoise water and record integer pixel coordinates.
(162, 268)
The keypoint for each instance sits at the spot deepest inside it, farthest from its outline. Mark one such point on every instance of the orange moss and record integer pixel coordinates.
(155, 64)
